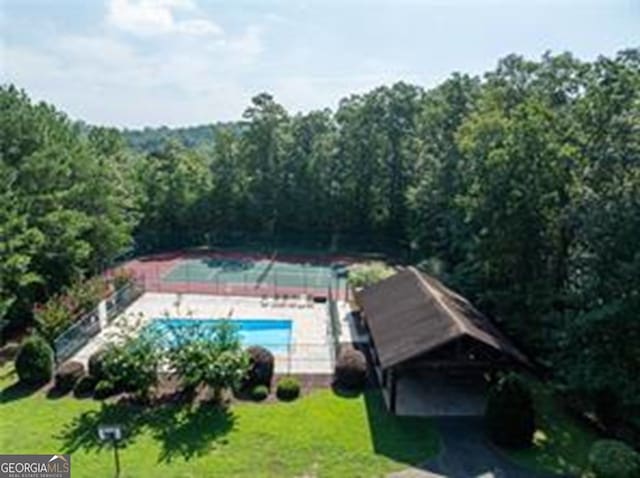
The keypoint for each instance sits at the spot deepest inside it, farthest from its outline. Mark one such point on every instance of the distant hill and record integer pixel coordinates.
(150, 140)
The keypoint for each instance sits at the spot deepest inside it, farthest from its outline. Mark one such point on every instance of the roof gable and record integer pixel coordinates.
(410, 314)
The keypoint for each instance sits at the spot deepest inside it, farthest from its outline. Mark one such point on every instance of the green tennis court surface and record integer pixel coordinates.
(259, 273)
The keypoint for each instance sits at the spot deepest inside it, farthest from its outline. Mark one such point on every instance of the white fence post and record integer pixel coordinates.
(102, 313)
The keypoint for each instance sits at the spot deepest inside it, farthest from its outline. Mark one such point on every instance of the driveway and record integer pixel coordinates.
(465, 453)
(435, 395)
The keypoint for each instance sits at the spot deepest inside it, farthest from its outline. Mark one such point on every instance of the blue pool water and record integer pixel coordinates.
(274, 335)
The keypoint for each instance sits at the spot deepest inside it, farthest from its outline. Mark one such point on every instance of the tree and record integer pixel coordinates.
(510, 416)
(264, 147)
(175, 184)
(63, 215)
(199, 357)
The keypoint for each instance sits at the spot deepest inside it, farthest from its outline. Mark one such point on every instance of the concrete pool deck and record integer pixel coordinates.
(310, 351)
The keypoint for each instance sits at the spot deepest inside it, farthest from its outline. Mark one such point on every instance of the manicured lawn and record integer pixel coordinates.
(319, 435)
(561, 443)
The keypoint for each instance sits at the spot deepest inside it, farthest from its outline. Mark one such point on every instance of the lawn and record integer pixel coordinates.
(561, 443)
(321, 435)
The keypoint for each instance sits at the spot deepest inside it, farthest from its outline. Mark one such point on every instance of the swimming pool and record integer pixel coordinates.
(273, 334)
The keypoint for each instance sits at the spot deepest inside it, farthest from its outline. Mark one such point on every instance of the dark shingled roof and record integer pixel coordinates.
(411, 313)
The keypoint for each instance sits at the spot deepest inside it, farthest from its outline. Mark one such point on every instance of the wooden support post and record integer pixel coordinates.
(393, 390)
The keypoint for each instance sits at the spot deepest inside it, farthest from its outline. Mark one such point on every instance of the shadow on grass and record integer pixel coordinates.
(181, 430)
(409, 440)
(55, 392)
(17, 391)
(345, 392)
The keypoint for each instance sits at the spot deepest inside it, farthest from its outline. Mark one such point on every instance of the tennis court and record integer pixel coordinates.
(244, 274)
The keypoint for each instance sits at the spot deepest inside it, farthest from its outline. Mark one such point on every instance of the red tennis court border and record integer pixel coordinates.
(150, 271)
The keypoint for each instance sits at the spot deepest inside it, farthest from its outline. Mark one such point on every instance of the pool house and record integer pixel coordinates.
(431, 349)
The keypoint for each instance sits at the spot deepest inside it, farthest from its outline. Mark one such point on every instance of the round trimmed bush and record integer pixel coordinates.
(351, 370)
(84, 387)
(288, 389)
(614, 459)
(259, 393)
(67, 375)
(104, 389)
(97, 364)
(510, 416)
(34, 362)
(261, 363)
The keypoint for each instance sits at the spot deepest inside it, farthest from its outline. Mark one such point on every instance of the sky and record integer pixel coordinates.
(134, 63)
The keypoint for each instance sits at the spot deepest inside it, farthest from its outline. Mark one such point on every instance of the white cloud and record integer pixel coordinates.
(156, 17)
(106, 78)
(247, 46)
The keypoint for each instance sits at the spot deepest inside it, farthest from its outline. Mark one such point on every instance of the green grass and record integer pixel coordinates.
(320, 435)
(561, 443)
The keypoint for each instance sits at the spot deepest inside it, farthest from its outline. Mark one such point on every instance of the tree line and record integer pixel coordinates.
(520, 188)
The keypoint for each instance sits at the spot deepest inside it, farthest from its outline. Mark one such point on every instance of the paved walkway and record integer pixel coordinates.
(465, 453)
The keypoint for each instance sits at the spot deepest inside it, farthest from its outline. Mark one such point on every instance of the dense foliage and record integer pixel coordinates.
(132, 362)
(96, 363)
(261, 365)
(201, 358)
(104, 389)
(521, 189)
(288, 388)
(66, 202)
(60, 310)
(510, 416)
(150, 140)
(84, 386)
(614, 459)
(67, 375)
(362, 275)
(259, 393)
(351, 370)
(34, 362)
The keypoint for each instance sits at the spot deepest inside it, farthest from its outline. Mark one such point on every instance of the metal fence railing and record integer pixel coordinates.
(77, 335)
(90, 324)
(333, 324)
(303, 358)
(120, 300)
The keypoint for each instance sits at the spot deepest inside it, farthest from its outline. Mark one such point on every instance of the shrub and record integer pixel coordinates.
(132, 367)
(189, 361)
(288, 389)
(122, 278)
(67, 375)
(510, 416)
(225, 371)
(84, 386)
(261, 364)
(607, 407)
(351, 370)
(34, 362)
(614, 459)
(363, 275)
(199, 359)
(86, 295)
(259, 393)
(103, 389)
(97, 364)
(54, 316)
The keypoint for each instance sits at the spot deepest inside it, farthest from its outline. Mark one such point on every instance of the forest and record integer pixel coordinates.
(520, 188)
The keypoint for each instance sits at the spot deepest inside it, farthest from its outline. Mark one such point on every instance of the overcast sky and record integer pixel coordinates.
(180, 62)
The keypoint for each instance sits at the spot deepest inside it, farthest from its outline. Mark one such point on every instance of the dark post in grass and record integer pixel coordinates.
(113, 434)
